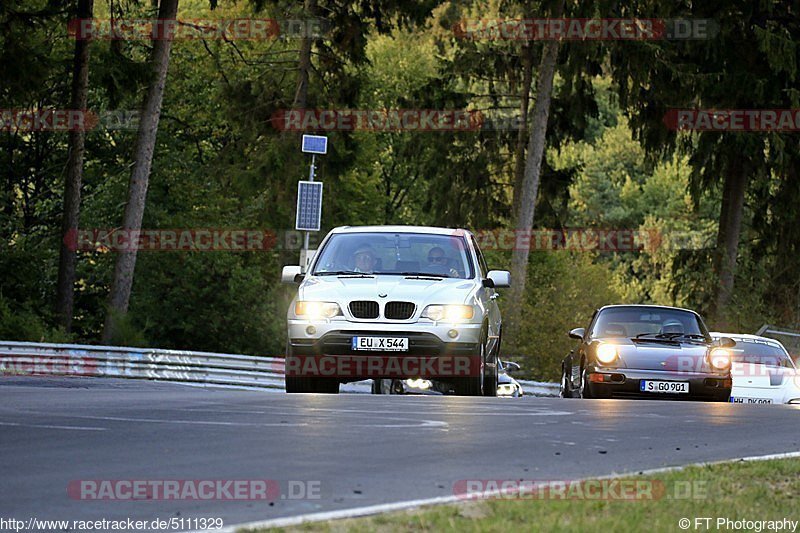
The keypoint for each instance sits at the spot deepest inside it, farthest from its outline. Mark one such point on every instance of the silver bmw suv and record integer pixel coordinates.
(395, 301)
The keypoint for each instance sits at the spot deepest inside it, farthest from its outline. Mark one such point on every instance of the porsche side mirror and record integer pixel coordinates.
(577, 333)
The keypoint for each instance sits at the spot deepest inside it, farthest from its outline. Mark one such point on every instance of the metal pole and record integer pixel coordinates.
(305, 237)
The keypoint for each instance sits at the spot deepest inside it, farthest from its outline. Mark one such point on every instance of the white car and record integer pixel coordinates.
(383, 302)
(762, 371)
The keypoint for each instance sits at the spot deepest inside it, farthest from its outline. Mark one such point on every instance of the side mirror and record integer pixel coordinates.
(498, 279)
(725, 342)
(291, 274)
(511, 366)
(577, 333)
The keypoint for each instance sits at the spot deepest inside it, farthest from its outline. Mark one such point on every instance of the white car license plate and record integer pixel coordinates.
(670, 387)
(750, 400)
(381, 344)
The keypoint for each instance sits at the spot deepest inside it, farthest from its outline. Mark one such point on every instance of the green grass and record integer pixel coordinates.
(763, 490)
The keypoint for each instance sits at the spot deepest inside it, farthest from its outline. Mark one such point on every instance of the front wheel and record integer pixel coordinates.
(585, 390)
(564, 391)
(474, 385)
(301, 384)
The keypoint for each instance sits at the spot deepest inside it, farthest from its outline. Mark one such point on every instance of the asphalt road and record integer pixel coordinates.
(353, 450)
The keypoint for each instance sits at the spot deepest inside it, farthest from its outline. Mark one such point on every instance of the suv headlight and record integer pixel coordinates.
(317, 310)
(448, 313)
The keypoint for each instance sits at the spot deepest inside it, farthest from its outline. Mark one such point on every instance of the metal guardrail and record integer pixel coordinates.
(27, 358)
(233, 370)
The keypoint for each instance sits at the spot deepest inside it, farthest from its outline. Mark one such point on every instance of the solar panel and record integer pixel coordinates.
(315, 144)
(309, 205)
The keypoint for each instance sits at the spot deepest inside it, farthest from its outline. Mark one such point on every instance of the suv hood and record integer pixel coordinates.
(395, 288)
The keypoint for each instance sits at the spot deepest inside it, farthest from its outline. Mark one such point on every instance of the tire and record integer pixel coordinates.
(490, 377)
(565, 391)
(490, 384)
(473, 385)
(376, 386)
(299, 384)
(585, 390)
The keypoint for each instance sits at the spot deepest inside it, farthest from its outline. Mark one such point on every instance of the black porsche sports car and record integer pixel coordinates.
(647, 351)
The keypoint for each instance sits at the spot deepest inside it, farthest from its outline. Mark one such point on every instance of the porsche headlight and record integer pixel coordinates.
(317, 310)
(794, 401)
(720, 359)
(449, 313)
(606, 353)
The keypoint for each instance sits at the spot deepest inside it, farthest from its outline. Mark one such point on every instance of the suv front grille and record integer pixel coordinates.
(364, 309)
(399, 310)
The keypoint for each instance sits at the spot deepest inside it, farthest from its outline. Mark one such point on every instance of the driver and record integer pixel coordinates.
(364, 259)
(439, 263)
(436, 257)
(672, 326)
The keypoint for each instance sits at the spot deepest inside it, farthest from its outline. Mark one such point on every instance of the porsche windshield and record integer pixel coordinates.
(409, 254)
(648, 322)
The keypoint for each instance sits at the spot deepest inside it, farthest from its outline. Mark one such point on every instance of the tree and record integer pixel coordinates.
(143, 157)
(533, 161)
(72, 188)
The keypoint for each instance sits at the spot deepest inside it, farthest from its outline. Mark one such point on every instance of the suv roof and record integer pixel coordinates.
(400, 229)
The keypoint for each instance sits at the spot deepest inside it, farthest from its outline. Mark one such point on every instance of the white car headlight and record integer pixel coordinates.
(317, 310)
(505, 389)
(606, 353)
(449, 313)
(423, 384)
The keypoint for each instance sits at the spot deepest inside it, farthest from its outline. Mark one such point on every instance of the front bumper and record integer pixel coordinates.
(334, 337)
(625, 383)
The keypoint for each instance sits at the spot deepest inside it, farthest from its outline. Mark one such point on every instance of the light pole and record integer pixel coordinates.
(309, 195)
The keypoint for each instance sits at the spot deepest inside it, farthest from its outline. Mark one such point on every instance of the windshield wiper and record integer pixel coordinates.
(664, 337)
(423, 275)
(345, 273)
(672, 337)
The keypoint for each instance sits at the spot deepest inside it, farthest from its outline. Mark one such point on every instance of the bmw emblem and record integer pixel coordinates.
(382, 294)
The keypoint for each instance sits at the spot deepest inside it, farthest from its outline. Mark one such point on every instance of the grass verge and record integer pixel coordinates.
(749, 491)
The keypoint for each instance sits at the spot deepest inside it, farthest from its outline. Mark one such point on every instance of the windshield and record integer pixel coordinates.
(443, 256)
(647, 322)
(759, 352)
